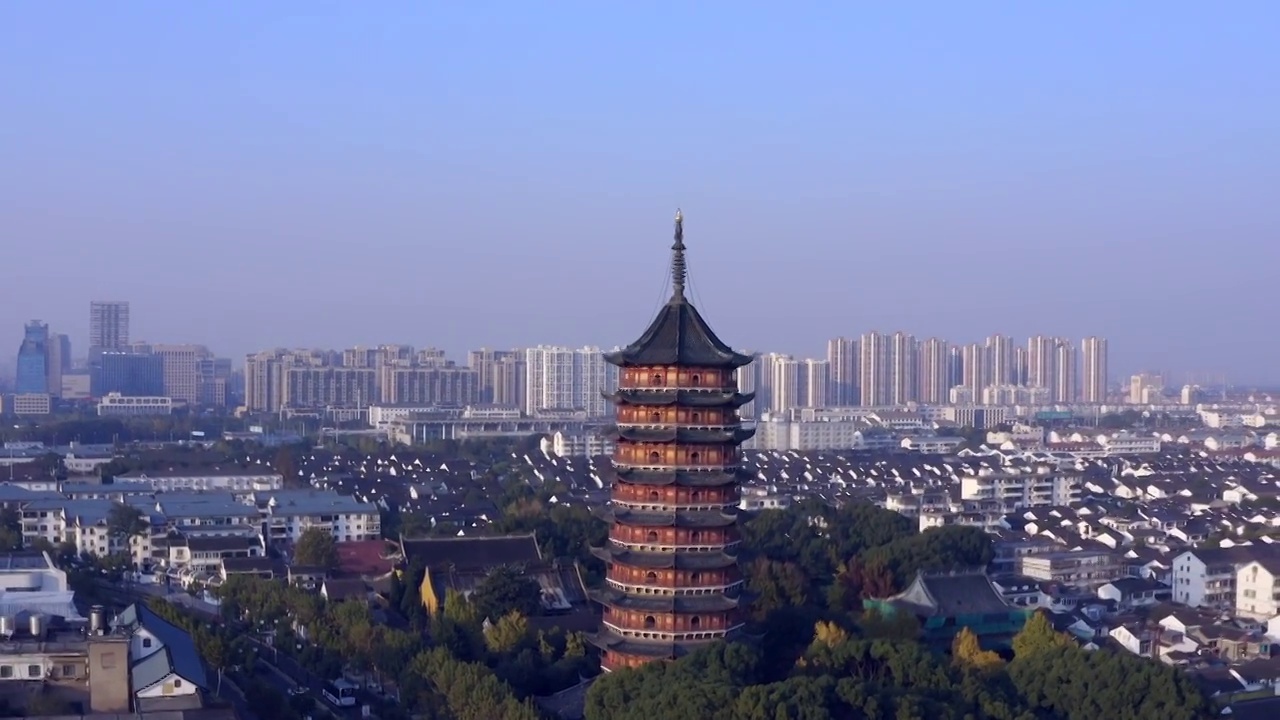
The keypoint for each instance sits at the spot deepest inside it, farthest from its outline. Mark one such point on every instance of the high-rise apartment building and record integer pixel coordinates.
(1041, 357)
(1019, 365)
(487, 363)
(108, 325)
(934, 374)
(1094, 385)
(561, 379)
(817, 382)
(748, 378)
(181, 376)
(786, 383)
(59, 362)
(448, 386)
(873, 369)
(842, 357)
(975, 375)
(1065, 383)
(902, 369)
(33, 360)
(127, 373)
(318, 387)
(213, 381)
(999, 361)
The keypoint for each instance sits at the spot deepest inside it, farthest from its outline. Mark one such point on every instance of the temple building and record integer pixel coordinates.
(673, 581)
(945, 602)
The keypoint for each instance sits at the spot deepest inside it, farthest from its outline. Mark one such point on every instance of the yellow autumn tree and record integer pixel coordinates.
(508, 634)
(967, 652)
(829, 634)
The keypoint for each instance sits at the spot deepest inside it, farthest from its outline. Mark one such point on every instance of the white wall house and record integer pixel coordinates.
(1258, 589)
(1206, 577)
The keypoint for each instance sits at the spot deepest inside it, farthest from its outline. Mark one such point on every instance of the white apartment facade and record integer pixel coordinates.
(1206, 577)
(290, 513)
(561, 378)
(1258, 589)
(1042, 486)
(232, 481)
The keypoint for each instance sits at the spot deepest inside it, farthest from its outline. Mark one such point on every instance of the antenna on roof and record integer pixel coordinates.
(678, 269)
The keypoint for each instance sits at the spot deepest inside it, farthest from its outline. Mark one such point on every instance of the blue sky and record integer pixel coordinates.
(504, 173)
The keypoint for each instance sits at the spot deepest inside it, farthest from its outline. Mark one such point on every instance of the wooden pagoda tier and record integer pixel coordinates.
(673, 581)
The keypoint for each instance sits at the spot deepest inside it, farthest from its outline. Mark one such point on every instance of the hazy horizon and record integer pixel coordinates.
(503, 175)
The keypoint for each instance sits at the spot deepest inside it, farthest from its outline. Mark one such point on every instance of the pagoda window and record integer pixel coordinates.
(657, 379)
(695, 537)
(655, 457)
(651, 577)
(653, 538)
(695, 622)
(695, 379)
(695, 577)
(654, 495)
(656, 417)
(697, 496)
(696, 417)
(695, 457)
(650, 622)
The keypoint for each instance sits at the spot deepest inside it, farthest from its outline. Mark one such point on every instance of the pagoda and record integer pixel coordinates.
(673, 581)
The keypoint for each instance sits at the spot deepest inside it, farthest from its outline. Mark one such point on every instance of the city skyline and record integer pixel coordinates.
(464, 177)
(1023, 347)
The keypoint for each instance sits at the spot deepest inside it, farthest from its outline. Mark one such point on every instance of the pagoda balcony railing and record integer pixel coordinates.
(660, 467)
(648, 590)
(650, 425)
(673, 636)
(730, 387)
(692, 549)
(729, 505)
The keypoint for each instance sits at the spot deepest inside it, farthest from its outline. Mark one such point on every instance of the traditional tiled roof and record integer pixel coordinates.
(468, 553)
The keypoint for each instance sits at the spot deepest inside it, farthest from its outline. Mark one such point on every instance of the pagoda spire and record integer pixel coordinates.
(678, 269)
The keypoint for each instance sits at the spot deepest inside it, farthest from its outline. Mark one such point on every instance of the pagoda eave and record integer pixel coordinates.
(614, 643)
(706, 603)
(651, 397)
(724, 435)
(684, 518)
(665, 561)
(636, 476)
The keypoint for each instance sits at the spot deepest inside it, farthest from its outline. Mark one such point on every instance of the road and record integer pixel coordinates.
(285, 673)
(279, 671)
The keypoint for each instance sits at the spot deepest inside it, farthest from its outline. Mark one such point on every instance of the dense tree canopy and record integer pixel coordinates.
(316, 548)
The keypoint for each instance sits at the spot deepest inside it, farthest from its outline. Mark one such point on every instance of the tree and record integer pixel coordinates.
(505, 590)
(316, 548)
(508, 634)
(285, 464)
(125, 522)
(10, 529)
(1037, 636)
(967, 653)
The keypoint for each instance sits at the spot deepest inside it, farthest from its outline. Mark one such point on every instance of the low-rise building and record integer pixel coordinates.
(235, 480)
(1082, 568)
(117, 405)
(1258, 588)
(289, 513)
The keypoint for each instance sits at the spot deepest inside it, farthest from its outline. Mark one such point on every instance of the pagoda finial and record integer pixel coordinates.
(678, 271)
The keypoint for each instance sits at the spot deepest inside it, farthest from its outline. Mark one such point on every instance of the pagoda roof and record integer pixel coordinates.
(680, 518)
(678, 335)
(710, 602)
(683, 478)
(727, 434)
(661, 397)
(665, 561)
